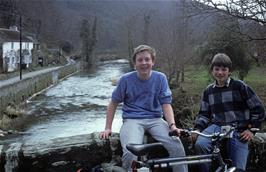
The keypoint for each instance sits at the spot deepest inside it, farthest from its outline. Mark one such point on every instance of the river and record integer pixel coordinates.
(75, 106)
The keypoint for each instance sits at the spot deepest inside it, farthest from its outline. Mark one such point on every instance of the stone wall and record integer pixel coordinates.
(71, 153)
(61, 155)
(17, 92)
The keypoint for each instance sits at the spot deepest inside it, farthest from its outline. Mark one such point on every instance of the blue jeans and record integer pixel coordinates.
(132, 131)
(237, 150)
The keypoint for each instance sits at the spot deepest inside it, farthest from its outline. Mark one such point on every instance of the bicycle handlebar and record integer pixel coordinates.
(187, 133)
(226, 132)
(202, 134)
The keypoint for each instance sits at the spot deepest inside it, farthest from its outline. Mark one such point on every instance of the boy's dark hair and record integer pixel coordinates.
(221, 59)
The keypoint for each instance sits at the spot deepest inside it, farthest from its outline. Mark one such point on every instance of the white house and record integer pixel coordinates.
(10, 49)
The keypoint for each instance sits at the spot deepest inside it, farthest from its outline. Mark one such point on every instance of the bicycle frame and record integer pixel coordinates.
(196, 159)
(151, 164)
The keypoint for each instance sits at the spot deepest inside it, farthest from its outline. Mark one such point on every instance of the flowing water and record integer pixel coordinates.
(12, 157)
(75, 106)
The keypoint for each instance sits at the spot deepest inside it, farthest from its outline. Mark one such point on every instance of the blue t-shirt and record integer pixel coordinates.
(142, 98)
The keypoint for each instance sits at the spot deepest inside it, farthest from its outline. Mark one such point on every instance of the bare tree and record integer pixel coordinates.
(245, 9)
(8, 14)
(165, 39)
(129, 23)
(147, 21)
(252, 18)
(88, 36)
(174, 38)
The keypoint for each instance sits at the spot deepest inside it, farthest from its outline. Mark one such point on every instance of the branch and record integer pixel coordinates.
(245, 9)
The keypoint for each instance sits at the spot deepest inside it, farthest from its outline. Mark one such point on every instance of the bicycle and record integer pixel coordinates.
(150, 165)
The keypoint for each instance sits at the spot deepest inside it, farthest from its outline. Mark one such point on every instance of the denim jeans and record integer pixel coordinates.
(237, 150)
(132, 131)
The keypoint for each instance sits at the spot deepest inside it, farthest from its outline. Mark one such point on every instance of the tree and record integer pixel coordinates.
(176, 42)
(146, 31)
(251, 13)
(147, 21)
(185, 41)
(224, 40)
(7, 13)
(129, 27)
(88, 36)
(130, 47)
(164, 38)
(245, 9)
(66, 46)
(93, 39)
(84, 34)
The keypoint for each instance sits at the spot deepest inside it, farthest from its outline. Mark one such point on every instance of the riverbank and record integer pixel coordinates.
(15, 91)
(61, 119)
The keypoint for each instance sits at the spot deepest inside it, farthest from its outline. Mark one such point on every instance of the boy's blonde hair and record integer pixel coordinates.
(142, 48)
(221, 59)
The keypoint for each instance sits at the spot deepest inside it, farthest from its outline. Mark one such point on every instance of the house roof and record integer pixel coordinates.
(8, 35)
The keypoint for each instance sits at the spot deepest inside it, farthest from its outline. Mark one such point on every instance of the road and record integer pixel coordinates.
(16, 79)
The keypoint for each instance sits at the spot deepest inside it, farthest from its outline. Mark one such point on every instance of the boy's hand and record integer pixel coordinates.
(246, 135)
(176, 130)
(105, 134)
(193, 138)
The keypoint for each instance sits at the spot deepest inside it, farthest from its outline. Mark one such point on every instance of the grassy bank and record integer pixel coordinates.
(196, 80)
(257, 80)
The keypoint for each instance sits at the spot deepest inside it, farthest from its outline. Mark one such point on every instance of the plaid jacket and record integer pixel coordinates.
(234, 103)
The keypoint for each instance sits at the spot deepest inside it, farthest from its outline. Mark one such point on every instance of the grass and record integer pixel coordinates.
(257, 80)
(197, 78)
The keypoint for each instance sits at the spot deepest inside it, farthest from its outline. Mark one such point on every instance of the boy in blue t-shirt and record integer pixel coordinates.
(146, 97)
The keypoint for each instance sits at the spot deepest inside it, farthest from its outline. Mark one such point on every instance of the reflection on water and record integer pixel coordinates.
(76, 105)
